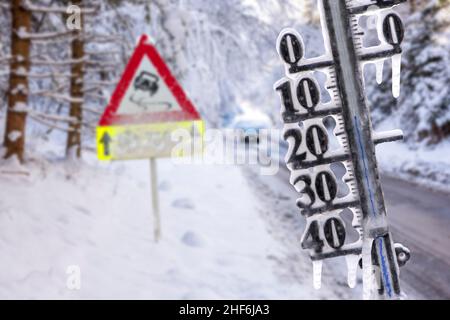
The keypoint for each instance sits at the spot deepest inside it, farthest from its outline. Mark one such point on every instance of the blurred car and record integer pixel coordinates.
(250, 129)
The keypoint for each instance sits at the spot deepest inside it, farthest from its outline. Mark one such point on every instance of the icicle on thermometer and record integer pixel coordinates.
(324, 199)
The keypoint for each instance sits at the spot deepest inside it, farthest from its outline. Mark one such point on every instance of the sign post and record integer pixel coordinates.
(147, 106)
(155, 200)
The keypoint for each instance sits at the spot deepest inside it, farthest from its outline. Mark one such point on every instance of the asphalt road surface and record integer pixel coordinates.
(419, 219)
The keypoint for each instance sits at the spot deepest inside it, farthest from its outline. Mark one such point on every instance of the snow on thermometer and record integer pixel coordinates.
(336, 181)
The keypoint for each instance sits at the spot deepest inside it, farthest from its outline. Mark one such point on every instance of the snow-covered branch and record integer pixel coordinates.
(100, 69)
(21, 33)
(50, 124)
(53, 117)
(102, 52)
(43, 117)
(102, 38)
(5, 59)
(91, 109)
(46, 61)
(90, 63)
(98, 83)
(36, 8)
(94, 95)
(92, 89)
(21, 72)
(50, 62)
(70, 37)
(57, 96)
(51, 120)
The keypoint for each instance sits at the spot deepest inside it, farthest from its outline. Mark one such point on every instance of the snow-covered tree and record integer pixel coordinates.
(423, 106)
(70, 68)
(14, 138)
(73, 145)
(5, 52)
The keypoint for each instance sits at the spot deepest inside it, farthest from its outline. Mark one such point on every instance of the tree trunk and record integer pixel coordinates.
(412, 4)
(14, 140)
(73, 146)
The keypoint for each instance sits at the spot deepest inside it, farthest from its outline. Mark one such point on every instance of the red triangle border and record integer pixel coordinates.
(110, 116)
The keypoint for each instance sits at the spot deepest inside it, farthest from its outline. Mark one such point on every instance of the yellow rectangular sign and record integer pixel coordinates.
(144, 141)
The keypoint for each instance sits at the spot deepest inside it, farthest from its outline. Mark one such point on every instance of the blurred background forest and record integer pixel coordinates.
(58, 81)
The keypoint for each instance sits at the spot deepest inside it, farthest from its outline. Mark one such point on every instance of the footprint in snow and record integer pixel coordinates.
(192, 239)
(183, 203)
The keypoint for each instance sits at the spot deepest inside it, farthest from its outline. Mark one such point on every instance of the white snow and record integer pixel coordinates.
(20, 107)
(23, 34)
(97, 217)
(19, 89)
(14, 135)
(54, 9)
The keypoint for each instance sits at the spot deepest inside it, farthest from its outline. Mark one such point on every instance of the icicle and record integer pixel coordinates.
(352, 266)
(317, 274)
(396, 68)
(379, 70)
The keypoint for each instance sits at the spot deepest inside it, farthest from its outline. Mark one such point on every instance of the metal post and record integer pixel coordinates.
(155, 200)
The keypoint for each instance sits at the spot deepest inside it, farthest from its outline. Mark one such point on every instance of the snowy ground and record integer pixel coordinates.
(430, 168)
(98, 216)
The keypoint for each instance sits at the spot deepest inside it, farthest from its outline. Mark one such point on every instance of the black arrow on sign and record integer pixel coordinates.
(106, 140)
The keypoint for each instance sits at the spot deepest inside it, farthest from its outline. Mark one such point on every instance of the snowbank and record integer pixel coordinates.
(98, 217)
(424, 165)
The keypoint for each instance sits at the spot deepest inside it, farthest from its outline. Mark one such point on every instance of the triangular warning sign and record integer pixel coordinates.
(147, 92)
(147, 106)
